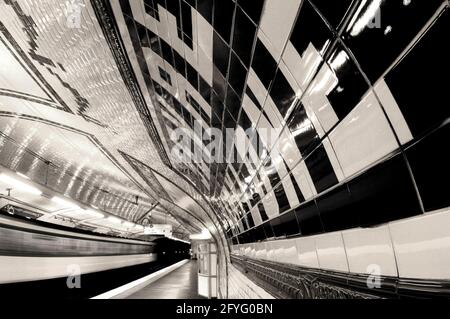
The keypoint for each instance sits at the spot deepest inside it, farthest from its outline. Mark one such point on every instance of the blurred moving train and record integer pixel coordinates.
(31, 250)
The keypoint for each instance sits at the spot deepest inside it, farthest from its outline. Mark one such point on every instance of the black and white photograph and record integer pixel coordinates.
(224, 154)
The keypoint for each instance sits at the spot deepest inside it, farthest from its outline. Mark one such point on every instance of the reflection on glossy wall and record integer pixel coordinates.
(353, 89)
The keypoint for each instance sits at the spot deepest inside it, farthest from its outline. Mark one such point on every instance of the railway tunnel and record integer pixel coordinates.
(232, 149)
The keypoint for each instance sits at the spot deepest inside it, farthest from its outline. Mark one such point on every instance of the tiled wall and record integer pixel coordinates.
(415, 248)
(240, 287)
(358, 101)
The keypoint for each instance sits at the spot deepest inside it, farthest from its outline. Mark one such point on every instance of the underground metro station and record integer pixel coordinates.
(224, 149)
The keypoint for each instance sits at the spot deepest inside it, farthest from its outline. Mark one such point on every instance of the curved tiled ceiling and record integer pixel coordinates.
(118, 78)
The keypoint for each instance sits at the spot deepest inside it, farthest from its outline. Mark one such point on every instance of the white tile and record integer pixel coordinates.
(274, 115)
(14, 76)
(363, 137)
(307, 254)
(258, 89)
(286, 252)
(288, 149)
(370, 246)
(277, 21)
(162, 25)
(315, 100)
(270, 251)
(205, 67)
(290, 191)
(250, 109)
(252, 251)
(331, 252)
(393, 111)
(333, 159)
(261, 251)
(267, 135)
(422, 246)
(302, 68)
(205, 36)
(271, 205)
(304, 180)
(256, 216)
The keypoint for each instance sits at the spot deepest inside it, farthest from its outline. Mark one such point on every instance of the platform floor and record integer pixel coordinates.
(179, 284)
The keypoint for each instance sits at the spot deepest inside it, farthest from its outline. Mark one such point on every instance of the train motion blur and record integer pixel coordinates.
(31, 250)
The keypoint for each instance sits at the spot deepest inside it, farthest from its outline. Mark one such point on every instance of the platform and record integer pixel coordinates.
(179, 284)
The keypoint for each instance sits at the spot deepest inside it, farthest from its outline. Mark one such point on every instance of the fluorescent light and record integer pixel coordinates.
(95, 214)
(22, 175)
(65, 202)
(205, 234)
(19, 185)
(114, 220)
(128, 224)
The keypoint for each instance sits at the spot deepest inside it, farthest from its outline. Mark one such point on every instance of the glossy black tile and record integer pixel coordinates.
(333, 11)
(351, 86)
(271, 172)
(126, 8)
(264, 64)
(180, 64)
(192, 3)
(205, 8)
(173, 6)
(417, 81)
(310, 28)
(282, 93)
(221, 54)
(219, 85)
(244, 121)
(238, 75)
(297, 190)
(193, 102)
(233, 103)
(228, 120)
(251, 222)
(386, 32)
(192, 75)
(145, 35)
(268, 230)
(264, 217)
(308, 218)
(204, 89)
(429, 160)
(253, 8)
(285, 225)
(151, 9)
(244, 173)
(244, 36)
(336, 211)
(280, 195)
(186, 18)
(165, 76)
(303, 131)
(384, 193)
(256, 197)
(223, 18)
(321, 170)
(259, 234)
(216, 121)
(167, 53)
